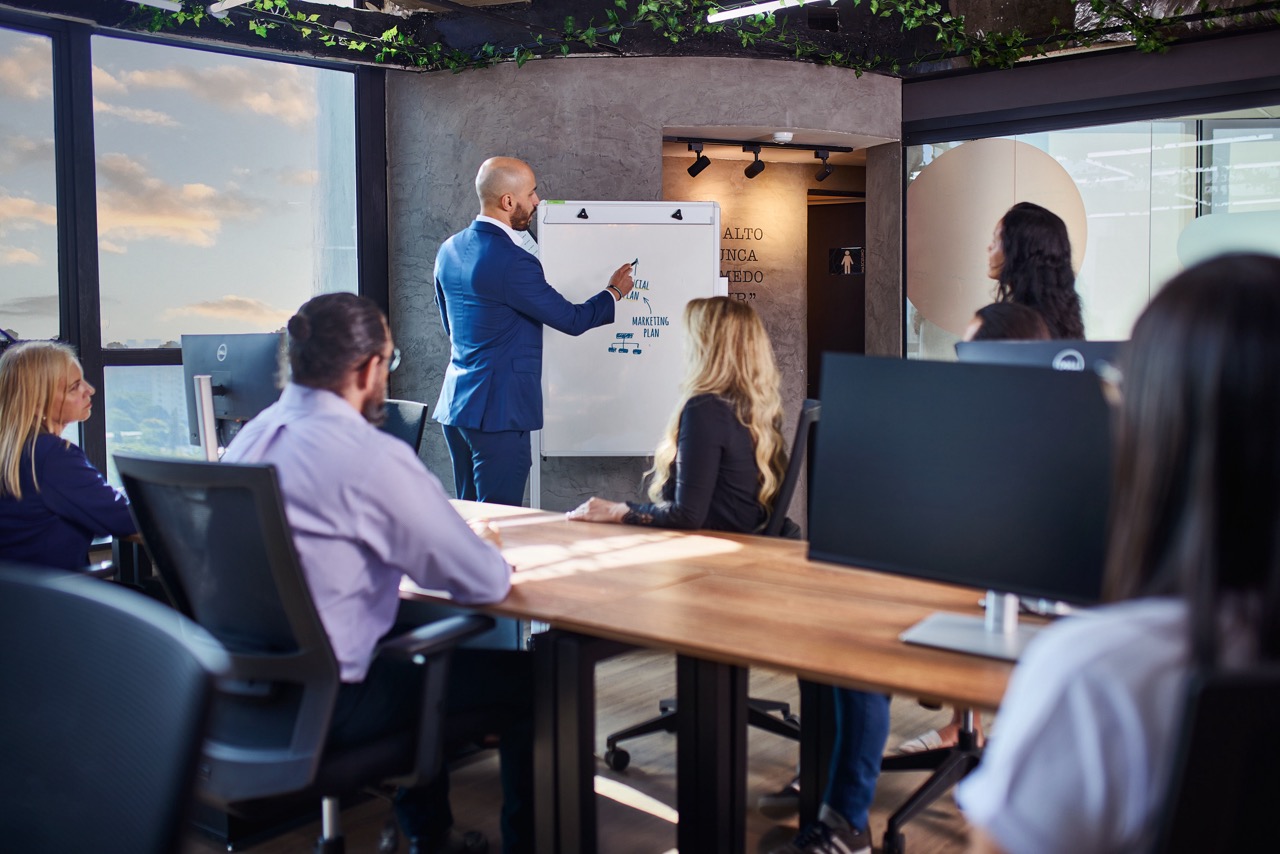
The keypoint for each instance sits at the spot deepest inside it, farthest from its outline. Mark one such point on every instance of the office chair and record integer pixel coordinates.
(760, 713)
(218, 536)
(105, 702)
(1223, 784)
(406, 419)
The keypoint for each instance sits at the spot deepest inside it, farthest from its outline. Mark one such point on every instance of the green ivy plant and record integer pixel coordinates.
(678, 20)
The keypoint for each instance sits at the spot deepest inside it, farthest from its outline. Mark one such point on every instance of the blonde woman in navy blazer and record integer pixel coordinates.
(494, 301)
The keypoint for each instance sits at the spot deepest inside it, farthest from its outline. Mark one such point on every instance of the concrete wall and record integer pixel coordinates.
(592, 129)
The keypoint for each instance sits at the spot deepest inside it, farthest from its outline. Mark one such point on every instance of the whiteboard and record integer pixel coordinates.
(611, 390)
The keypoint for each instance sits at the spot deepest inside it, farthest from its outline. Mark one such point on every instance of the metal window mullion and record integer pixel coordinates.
(79, 303)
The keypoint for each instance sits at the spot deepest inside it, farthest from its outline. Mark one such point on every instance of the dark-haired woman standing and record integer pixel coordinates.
(1030, 257)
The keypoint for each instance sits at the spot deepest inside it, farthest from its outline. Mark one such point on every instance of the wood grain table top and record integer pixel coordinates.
(735, 599)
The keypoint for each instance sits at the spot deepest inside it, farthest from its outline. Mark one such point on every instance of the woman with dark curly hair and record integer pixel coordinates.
(1030, 257)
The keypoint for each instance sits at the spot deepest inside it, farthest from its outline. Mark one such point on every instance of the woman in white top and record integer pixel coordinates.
(1087, 730)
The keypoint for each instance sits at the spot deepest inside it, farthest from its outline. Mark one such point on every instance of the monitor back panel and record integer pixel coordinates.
(984, 475)
(1061, 355)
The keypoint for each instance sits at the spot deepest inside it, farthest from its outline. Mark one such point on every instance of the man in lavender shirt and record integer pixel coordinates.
(364, 511)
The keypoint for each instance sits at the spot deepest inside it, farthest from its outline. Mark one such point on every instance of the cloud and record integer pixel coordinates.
(232, 307)
(104, 83)
(17, 151)
(22, 214)
(30, 307)
(134, 205)
(299, 177)
(113, 248)
(134, 114)
(13, 255)
(26, 72)
(275, 90)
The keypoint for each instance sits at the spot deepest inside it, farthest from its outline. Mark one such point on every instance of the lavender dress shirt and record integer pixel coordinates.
(364, 511)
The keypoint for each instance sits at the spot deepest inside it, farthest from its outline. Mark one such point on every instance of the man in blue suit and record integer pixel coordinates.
(494, 301)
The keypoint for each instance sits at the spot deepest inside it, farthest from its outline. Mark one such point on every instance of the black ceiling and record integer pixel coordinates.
(908, 38)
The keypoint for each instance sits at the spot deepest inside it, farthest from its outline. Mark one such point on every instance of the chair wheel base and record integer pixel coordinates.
(335, 845)
(617, 759)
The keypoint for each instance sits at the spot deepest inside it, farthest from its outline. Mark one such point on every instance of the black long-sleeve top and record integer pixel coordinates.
(715, 481)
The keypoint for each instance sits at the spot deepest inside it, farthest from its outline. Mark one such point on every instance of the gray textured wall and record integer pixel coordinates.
(885, 298)
(592, 129)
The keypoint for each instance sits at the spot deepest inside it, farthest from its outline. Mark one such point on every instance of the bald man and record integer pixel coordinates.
(494, 301)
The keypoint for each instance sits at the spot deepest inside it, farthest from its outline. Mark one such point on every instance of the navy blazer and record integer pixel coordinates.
(55, 524)
(494, 300)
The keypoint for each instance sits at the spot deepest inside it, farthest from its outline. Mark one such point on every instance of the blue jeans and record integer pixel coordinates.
(862, 728)
(489, 466)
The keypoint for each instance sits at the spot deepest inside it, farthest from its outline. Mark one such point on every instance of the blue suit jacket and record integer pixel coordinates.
(494, 300)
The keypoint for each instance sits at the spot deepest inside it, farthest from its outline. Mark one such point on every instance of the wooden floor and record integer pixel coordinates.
(636, 806)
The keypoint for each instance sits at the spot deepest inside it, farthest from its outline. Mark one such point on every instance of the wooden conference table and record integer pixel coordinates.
(723, 603)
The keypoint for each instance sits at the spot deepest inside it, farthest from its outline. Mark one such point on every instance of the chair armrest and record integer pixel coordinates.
(431, 647)
(443, 634)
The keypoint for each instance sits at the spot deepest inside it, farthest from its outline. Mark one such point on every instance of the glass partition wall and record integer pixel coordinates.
(1142, 200)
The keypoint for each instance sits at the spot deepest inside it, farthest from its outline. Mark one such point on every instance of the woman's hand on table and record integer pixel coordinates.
(598, 510)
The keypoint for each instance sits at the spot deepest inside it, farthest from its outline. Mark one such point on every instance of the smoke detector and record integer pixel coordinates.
(783, 136)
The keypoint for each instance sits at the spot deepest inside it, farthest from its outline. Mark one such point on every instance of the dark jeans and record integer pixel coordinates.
(489, 466)
(490, 692)
(862, 728)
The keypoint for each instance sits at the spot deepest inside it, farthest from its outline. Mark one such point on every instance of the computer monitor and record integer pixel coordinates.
(248, 372)
(1061, 355)
(988, 476)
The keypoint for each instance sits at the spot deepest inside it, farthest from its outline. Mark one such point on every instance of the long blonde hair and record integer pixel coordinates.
(728, 354)
(33, 375)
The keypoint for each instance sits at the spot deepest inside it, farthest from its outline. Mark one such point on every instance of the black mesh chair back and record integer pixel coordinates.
(407, 420)
(810, 410)
(105, 698)
(1224, 782)
(220, 541)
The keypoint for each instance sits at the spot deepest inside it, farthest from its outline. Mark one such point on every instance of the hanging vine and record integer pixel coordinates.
(677, 21)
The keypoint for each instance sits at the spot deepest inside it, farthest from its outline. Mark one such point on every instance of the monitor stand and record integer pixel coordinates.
(998, 635)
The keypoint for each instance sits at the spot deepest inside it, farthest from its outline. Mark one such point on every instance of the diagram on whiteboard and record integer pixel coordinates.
(648, 321)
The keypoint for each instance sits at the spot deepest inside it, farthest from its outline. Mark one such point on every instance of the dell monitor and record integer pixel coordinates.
(988, 476)
(1061, 355)
(247, 371)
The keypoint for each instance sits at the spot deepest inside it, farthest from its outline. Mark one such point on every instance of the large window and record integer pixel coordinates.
(185, 191)
(226, 199)
(1141, 200)
(226, 190)
(28, 187)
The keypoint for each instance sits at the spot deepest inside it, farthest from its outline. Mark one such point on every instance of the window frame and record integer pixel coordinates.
(79, 294)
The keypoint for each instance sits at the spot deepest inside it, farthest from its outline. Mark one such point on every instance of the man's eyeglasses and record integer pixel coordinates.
(395, 360)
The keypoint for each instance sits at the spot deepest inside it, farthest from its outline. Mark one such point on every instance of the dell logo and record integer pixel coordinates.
(1068, 360)
(222, 354)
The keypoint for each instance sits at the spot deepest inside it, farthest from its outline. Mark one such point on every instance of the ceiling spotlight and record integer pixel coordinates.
(756, 166)
(822, 155)
(700, 162)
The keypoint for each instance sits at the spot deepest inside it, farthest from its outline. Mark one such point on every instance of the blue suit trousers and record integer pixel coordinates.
(490, 466)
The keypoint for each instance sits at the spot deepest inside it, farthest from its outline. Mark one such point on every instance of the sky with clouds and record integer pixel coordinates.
(218, 180)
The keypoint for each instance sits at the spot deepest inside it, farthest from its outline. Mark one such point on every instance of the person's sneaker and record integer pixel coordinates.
(455, 842)
(783, 803)
(820, 838)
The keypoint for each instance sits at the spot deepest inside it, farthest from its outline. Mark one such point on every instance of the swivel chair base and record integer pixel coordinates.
(949, 765)
(759, 714)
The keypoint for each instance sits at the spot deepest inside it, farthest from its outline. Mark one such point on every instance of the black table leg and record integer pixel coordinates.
(817, 738)
(711, 756)
(564, 740)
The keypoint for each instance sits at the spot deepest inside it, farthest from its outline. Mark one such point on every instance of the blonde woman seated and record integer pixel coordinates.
(53, 502)
(722, 459)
